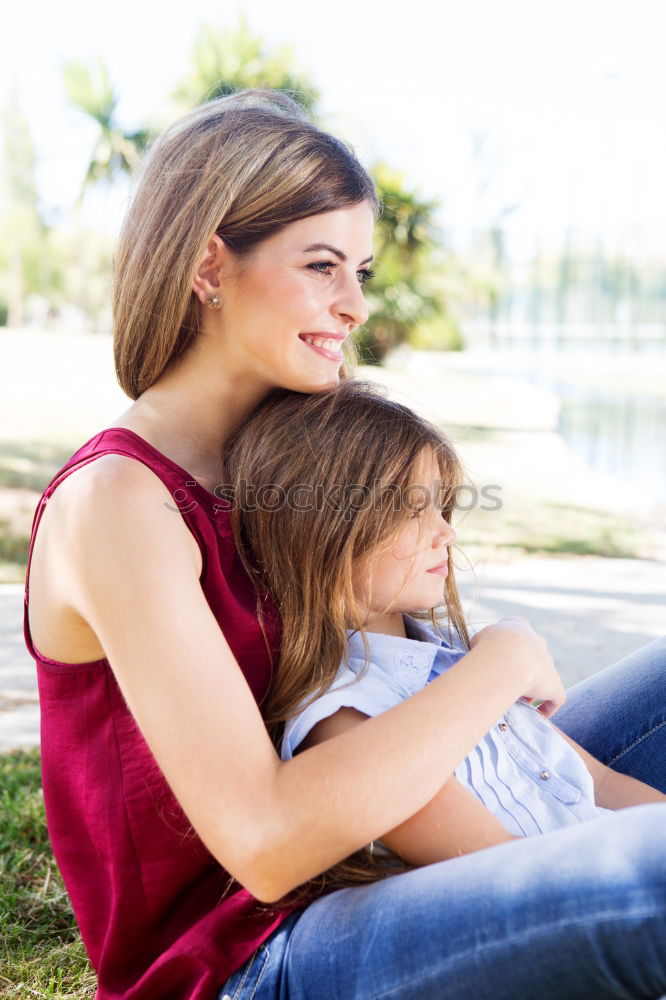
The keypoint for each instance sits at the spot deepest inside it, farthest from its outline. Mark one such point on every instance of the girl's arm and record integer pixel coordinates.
(128, 567)
(454, 822)
(612, 789)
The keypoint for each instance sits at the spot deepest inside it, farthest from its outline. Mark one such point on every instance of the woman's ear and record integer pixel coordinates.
(208, 275)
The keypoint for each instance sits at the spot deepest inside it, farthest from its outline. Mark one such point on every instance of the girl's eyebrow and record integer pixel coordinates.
(337, 253)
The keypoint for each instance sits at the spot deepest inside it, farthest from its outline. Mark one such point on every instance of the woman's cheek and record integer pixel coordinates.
(298, 290)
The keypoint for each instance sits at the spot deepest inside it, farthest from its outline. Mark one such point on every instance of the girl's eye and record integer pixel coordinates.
(365, 274)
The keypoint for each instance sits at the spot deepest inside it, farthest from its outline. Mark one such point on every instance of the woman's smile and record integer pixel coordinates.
(327, 344)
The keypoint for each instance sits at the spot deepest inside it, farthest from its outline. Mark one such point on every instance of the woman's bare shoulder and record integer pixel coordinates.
(110, 490)
(117, 507)
(116, 497)
(114, 475)
(110, 521)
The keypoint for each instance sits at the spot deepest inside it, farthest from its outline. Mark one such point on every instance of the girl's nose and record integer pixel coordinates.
(446, 532)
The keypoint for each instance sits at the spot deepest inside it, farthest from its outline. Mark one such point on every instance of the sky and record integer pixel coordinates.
(563, 101)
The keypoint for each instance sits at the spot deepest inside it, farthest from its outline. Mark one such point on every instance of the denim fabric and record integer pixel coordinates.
(572, 915)
(619, 714)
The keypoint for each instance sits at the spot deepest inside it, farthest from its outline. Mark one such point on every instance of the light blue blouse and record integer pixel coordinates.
(523, 771)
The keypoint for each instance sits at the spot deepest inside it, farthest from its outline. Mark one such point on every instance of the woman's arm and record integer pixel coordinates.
(612, 789)
(131, 573)
(454, 822)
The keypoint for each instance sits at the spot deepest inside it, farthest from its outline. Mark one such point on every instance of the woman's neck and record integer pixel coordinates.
(191, 411)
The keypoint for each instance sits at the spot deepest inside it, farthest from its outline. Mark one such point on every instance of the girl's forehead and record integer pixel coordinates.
(426, 468)
(425, 482)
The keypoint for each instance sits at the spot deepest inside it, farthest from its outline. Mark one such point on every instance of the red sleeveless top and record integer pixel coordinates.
(158, 915)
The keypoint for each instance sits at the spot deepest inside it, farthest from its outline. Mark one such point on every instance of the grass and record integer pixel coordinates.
(13, 547)
(547, 528)
(30, 464)
(41, 953)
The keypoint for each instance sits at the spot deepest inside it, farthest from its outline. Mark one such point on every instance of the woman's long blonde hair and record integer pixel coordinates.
(318, 481)
(242, 166)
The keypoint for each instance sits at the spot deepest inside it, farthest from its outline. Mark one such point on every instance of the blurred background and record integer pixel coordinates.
(520, 297)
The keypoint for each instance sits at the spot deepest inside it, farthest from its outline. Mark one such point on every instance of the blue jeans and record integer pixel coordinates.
(579, 914)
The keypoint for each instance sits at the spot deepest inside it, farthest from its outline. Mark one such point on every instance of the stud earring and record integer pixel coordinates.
(213, 302)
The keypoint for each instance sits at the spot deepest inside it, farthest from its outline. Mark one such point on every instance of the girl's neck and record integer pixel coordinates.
(391, 623)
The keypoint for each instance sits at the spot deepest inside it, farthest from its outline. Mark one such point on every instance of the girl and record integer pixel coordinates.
(349, 579)
(175, 824)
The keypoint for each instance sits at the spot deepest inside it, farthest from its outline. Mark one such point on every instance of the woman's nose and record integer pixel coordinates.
(351, 302)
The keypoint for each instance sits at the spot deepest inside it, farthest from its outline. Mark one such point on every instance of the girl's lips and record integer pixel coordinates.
(325, 352)
(441, 570)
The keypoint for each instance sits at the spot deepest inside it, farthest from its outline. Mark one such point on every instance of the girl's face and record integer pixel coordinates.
(289, 306)
(407, 572)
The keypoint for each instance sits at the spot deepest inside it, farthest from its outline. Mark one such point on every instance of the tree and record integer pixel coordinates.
(23, 230)
(224, 61)
(408, 296)
(116, 151)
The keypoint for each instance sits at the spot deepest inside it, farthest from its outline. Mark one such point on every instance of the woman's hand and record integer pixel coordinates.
(516, 634)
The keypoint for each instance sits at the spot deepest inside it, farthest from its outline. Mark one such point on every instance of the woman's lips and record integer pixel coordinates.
(317, 340)
(441, 570)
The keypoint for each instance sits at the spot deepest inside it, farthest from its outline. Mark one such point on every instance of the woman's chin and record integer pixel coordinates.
(321, 383)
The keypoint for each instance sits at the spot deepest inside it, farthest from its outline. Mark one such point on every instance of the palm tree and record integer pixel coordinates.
(409, 290)
(25, 265)
(115, 151)
(224, 61)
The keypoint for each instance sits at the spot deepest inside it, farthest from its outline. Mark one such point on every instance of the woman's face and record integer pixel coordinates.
(288, 307)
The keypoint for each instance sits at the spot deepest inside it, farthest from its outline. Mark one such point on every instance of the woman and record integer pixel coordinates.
(173, 820)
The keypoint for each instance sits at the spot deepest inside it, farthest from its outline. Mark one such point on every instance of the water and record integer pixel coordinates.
(613, 428)
(621, 434)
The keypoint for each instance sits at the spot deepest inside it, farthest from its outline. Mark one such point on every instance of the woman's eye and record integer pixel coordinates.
(323, 266)
(328, 267)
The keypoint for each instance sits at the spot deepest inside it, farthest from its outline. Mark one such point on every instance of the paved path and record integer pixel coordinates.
(19, 708)
(592, 611)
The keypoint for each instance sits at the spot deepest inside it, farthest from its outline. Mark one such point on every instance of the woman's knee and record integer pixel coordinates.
(633, 844)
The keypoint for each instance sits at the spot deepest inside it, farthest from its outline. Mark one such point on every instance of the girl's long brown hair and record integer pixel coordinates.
(317, 482)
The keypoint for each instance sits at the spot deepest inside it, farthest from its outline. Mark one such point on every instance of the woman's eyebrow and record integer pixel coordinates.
(337, 253)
